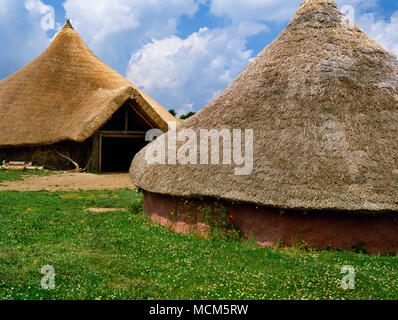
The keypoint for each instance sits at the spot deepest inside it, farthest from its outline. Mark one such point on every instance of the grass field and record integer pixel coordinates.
(20, 175)
(119, 255)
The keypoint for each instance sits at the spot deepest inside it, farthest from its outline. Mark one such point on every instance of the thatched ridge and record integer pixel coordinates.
(322, 100)
(67, 93)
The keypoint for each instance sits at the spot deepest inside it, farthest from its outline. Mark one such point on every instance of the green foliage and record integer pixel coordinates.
(303, 246)
(119, 255)
(184, 116)
(137, 206)
(173, 112)
(359, 247)
(188, 115)
(222, 226)
(280, 243)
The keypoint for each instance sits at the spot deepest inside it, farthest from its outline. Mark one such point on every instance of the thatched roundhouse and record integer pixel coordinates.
(323, 105)
(67, 102)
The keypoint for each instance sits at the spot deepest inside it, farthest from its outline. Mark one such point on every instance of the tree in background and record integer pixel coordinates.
(184, 116)
(188, 115)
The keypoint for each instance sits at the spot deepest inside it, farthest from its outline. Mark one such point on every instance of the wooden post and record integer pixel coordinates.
(126, 119)
(95, 157)
(100, 154)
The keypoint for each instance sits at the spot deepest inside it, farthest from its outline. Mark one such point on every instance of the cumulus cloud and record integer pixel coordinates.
(378, 28)
(47, 21)
(250, 17)
(186, 107)
(34, 5)
(114, 29)
(22, 37)
(254, 10)
(383, 31)
(189, 72)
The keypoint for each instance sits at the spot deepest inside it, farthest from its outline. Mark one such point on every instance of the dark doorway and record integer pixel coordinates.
(119, 140)
(117, 153)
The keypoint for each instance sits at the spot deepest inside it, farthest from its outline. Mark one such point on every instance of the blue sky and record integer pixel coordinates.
(181, 52)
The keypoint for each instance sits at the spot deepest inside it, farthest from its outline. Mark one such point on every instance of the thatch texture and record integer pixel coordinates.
(322, 101)
(67, 93)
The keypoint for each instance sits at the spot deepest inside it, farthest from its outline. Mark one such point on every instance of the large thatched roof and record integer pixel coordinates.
(322, 100)
(67, 93)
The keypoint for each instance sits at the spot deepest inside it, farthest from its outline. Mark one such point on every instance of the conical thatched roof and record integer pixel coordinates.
(67, 93)
(322, 101)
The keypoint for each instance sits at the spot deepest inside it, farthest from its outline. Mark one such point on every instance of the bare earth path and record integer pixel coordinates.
(68, 181)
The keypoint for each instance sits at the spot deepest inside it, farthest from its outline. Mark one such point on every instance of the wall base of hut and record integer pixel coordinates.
(376, 233)
(47, 157)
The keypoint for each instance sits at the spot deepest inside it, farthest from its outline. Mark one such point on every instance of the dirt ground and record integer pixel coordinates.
(67, 181)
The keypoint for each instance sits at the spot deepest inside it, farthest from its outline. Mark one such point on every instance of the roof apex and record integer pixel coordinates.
(308, 5)
(68, 24)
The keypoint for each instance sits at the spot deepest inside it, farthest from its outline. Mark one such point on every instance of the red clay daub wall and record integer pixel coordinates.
(337, 230)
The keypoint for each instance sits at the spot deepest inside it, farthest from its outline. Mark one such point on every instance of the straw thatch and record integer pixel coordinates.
(67, 93)
(322, 101)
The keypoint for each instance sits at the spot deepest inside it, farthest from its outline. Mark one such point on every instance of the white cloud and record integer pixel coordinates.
(250, 17)
(379, 29)
(249, 28)
(358, 4)
(187, 107)
(114, 29)
(189, 70)
(270, 10)
(255, 10)
(22, 38)
(383, 31)
(34, 5)
(99, 18)
(47, 21)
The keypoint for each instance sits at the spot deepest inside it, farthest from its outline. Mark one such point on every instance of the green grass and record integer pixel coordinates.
(119, 255)
(6, 175)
